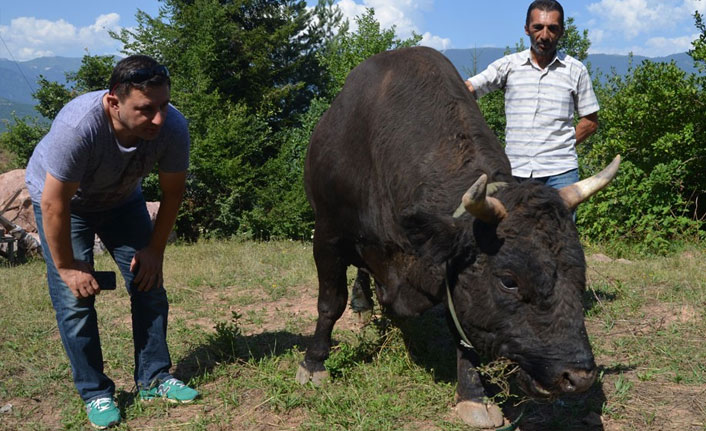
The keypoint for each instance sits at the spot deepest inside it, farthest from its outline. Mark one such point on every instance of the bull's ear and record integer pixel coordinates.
(435, 237)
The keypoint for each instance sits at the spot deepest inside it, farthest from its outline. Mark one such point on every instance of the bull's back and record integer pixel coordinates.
(403, 126)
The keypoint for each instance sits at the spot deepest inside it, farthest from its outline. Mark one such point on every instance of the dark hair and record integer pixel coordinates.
(137, 71)
(547, 6)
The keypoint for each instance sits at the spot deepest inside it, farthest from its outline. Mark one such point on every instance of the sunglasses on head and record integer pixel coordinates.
(141, 75)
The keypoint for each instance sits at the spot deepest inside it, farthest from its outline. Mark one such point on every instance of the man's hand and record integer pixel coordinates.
(79, 279)
(149, 269)
(470, 87)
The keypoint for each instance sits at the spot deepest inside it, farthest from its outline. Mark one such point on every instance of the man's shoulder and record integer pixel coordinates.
(176, 122)
(515, 58)
(83, 110)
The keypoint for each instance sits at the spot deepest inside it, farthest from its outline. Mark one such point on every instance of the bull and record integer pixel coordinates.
(387, 167)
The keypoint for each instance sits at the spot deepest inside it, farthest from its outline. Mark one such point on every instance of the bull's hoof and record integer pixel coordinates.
(314, 373)
(480, 415)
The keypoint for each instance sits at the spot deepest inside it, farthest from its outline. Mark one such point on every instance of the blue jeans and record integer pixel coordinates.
(123, 230)
(557, 181)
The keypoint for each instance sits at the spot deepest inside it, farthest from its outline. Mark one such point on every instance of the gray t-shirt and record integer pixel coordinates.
(81, 147)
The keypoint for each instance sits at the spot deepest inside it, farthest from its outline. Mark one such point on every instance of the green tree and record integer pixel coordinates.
(348, 49)
(574, 42)
(51, 97)
(261, 54)
(20, 138)
(653, 117)
(94, 73)
(282, 209)
(698, 52)
(243, 73)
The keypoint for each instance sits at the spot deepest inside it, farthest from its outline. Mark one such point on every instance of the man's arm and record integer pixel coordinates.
(586, 127)
(151, 258)
(56, 219)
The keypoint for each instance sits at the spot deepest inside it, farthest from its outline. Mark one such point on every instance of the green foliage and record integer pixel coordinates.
(94, 73)
(243, 73)
(258, 54)
(51, 97)
(281, 208)
(348, 50)
(20, 139)
(654, 118)
(574, 43)
(698, 53)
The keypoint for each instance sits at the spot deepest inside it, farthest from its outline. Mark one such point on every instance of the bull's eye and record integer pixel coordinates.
(508, 283)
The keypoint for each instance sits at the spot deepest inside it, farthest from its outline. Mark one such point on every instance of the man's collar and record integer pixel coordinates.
(559, 57)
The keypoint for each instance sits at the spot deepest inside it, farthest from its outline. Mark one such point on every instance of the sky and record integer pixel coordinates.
(653, 28)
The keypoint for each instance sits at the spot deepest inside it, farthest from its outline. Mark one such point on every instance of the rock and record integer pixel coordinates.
(598, 257)
(15, 203)
(16, 206)
(624, 261)
(7, 408)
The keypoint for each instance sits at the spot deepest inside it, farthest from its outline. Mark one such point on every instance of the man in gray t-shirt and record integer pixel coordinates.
(84, 179)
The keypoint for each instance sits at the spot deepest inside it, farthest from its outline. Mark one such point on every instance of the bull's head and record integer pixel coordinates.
(521, 295)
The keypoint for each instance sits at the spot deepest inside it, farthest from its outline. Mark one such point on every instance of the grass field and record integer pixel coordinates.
(242, 313)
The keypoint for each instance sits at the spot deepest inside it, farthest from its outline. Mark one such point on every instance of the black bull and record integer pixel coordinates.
(386, 169)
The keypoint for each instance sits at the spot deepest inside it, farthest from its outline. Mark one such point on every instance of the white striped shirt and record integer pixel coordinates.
(540, 139)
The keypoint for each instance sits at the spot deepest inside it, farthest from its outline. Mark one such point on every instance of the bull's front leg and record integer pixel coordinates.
(471, 403)
(333, 294)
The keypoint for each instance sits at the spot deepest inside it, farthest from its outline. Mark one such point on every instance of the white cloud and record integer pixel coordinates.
(662, 46)
(436, 42)
(28, 37)
(695, 5)
(653, 27)
(634, 17)
(405, 15)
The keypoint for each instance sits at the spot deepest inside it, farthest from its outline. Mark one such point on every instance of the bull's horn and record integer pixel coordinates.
(482, 207)
(574, 194)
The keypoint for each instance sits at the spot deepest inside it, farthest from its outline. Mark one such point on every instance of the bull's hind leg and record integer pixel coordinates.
(362, 296)
(333, 294)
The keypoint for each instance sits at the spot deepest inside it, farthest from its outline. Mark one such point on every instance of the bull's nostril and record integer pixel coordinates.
(577, 380)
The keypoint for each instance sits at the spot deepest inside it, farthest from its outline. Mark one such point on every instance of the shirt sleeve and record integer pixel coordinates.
(585, 98)
(176, 156)
(68, 157)
(491, 79)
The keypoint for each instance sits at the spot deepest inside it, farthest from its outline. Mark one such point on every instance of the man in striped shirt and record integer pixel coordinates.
(543, 89)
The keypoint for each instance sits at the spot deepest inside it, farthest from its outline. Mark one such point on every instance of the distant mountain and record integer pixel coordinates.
(474, 60)
(19, 80)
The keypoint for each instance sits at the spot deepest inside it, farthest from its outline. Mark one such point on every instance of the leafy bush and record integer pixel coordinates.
(653, 117)
(20, 139)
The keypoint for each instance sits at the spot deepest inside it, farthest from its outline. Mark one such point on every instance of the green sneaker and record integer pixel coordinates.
(102, 413)
(173, 390)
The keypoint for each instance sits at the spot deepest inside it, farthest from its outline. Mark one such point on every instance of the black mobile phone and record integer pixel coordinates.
(105, 279)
